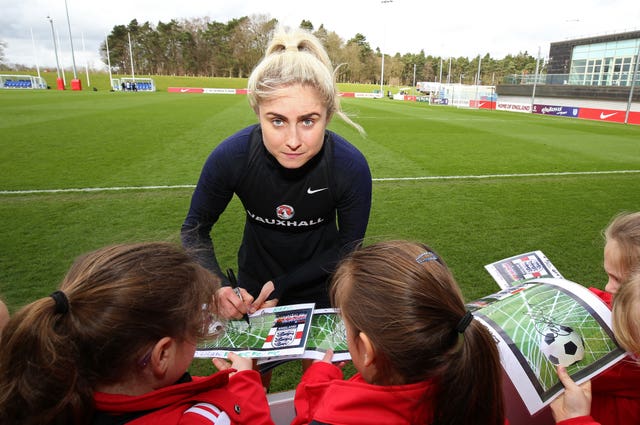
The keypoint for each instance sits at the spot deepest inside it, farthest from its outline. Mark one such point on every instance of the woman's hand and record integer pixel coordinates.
(230, 305)
(261, 302)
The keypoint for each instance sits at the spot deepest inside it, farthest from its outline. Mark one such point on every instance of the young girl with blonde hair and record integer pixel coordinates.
(613, 397)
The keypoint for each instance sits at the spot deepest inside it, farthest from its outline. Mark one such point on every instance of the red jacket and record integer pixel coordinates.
(205, 400)
(616, 391)
(581, 420)
(324, 396)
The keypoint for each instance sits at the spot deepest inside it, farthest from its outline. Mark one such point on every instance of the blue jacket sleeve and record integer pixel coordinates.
(212, 194)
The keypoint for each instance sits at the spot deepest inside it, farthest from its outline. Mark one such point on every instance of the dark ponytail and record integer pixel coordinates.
(112, 306)
(404, 297)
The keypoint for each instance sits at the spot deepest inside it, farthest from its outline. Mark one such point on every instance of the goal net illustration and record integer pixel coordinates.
(542, 325)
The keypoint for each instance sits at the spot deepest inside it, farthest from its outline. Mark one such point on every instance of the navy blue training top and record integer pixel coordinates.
(299, 222)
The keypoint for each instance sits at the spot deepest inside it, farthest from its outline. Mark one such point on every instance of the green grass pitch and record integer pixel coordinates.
(476, 185)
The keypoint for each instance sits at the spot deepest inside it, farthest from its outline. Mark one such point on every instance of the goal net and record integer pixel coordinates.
(465, 96)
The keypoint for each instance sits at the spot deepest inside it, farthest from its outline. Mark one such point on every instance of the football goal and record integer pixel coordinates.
(463, 96)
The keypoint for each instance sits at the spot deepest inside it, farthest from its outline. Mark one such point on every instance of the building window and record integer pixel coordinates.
(609, 63)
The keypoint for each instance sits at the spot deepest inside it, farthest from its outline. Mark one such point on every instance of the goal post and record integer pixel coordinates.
(464, 96)
(458, 95)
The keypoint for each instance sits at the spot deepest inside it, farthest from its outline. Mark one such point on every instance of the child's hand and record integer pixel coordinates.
(574, 402)
(235, 361)
(327, 359)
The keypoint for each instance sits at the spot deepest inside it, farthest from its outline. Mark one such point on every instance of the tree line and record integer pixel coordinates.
(201, 47)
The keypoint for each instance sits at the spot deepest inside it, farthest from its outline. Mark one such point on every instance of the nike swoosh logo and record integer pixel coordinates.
(604, 116)
(184, 90)
(312, 191)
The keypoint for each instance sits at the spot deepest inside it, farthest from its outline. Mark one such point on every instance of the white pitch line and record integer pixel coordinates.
(93, 189)
(381, 179)
(493, 176)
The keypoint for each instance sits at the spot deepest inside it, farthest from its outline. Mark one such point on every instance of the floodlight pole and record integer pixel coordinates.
(60, 80)
(35, 55)
(73, 58)
(133, 75)
(64, 77)
(535, 80)
(55, 45)
(382, 51)
(633, 83)
(109, 62)
(478, 80)
(86, 64)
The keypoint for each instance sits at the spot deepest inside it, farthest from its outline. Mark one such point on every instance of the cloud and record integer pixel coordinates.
(446, 29)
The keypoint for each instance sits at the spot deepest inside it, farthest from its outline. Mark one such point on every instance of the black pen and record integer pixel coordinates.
(236, 289)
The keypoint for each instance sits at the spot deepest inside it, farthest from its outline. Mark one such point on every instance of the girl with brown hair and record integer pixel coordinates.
(420, 356)
(113, 343)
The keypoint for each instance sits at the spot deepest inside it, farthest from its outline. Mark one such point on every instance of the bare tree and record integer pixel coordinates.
(3, 45)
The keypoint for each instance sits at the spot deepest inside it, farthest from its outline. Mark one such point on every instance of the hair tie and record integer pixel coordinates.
(62, 302)
(464, 322)
(426, 257)
(292, 48)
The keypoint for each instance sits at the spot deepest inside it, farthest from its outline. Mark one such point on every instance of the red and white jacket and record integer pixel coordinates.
(324, 397)
(216, 399)
(616, 391)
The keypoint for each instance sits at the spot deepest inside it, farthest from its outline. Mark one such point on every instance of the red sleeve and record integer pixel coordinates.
(616, 391)
(311, 389)
(622, 379)
(616, 394)
(203, 414)
(604, 296)
(580, 420)
(255, 408)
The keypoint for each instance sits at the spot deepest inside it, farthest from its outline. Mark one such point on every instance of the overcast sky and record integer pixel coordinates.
(447, 28)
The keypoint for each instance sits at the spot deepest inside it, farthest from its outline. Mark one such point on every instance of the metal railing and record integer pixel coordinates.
(622, 80)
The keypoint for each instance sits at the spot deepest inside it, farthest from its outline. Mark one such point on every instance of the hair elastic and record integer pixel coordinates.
(144, 361)
(62, 302)
(292, 48)
(426, 257)
(464, 322)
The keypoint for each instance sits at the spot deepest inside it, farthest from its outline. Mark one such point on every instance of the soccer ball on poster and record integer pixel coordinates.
(561, 345)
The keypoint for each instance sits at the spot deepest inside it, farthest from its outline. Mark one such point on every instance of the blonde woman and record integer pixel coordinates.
(306, 191)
